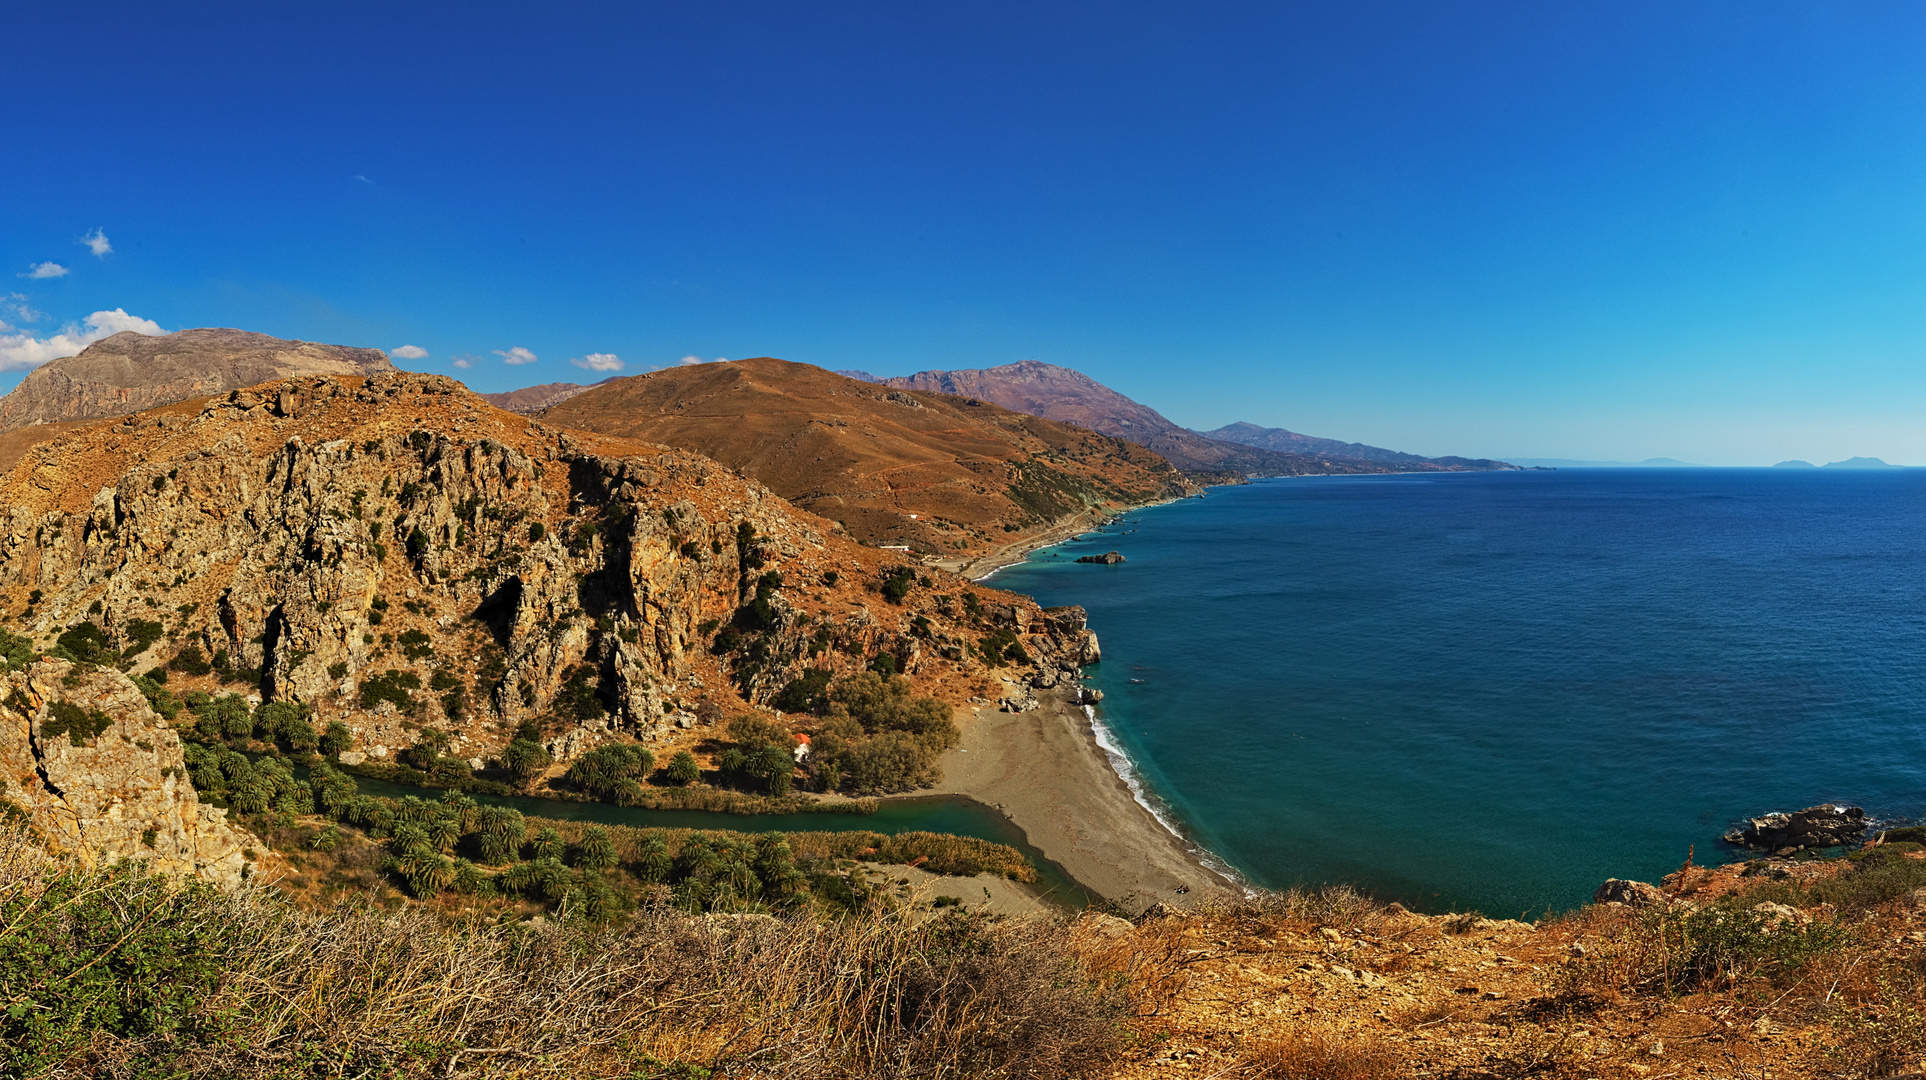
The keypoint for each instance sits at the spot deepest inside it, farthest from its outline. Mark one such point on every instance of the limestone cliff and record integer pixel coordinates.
(98, 774)
(393, 553)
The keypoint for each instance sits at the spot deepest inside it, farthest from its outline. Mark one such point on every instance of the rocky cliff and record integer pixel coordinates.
(130, 372)
(533, 399)
(393, 552)
(95, 772)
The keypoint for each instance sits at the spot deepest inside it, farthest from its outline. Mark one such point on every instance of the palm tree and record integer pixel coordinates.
(597, 851)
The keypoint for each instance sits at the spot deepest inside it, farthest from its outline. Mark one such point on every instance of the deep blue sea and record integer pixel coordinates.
(1492, 691)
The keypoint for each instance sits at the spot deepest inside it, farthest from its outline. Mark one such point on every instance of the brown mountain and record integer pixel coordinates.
(938, 473)
(130, 372)
(532, 399)
(1060, 393)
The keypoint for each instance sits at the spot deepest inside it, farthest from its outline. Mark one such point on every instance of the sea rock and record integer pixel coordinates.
(1636, 894)
(1108, 558)
(1827, 825)
(98, 774)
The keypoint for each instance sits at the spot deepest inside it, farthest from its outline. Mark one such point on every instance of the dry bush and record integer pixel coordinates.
(353, 991)
(1882, 1031)
(1146, 966)
(1317, 1057)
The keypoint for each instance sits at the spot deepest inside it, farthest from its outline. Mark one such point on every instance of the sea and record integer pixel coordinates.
(1493, 691)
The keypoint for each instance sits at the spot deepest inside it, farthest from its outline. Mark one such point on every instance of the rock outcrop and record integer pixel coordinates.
(95, 772)
(130, 372)
(394, 553)
(1827, 825)
(1108, 558)
(1636, 894)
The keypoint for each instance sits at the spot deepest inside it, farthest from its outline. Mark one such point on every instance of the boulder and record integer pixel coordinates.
(1636, 894)
(1827, 825)
(1108, 558)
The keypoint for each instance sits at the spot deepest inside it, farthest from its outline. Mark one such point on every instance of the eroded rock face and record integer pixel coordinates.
(1828, 825)
(98, 774)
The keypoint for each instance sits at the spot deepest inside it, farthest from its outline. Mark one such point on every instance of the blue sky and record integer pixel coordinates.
(1518, 229)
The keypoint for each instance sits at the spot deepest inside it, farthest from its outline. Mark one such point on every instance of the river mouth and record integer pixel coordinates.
(953, 814)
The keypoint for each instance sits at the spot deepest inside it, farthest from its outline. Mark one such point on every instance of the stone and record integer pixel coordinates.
(1108, 558)
(1826, 825)
(352, 757)
(1636, 894)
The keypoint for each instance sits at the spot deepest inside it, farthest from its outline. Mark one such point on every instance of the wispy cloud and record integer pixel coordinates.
(15, 306)
(96, 242)
(599, 361)
(465, 362)
(700, 360)
(409, 352)
(516, 355)
(362, 178)
(40, 271)
(19, 350)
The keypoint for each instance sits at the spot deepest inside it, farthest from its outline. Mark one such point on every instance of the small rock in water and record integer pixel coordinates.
(1828, 825)
(1108, 558)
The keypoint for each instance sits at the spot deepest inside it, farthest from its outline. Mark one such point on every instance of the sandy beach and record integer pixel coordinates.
(1045, 772)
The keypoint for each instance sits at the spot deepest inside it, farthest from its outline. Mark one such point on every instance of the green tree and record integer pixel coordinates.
(526, 759)
(597, 850)
(683, 768)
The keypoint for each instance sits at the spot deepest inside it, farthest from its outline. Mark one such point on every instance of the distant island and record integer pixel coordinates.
(1861, 463)
(1795, 463)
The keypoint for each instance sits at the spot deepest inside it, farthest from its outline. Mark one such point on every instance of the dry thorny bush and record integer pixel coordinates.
(355, 990)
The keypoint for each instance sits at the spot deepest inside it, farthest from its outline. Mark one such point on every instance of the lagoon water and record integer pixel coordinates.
(1495, 690)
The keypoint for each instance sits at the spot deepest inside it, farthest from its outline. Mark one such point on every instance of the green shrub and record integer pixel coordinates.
(16, 650)
(580, 698)
(391, 686)
(191, 660)
(81, 726)
(85, 644)
(159, 698)
(117, 953)
(600, 771)
(897, 584)
(142, 633)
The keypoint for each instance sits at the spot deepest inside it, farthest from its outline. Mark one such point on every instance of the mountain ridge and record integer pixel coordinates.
(940, 474)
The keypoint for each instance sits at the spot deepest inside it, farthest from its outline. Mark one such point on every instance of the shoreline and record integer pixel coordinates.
(1045, 771)
(980, 567)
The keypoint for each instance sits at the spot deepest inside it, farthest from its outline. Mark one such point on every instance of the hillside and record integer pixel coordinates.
(393, 554)
(130, 372)
(939, 474)
(1060, 393)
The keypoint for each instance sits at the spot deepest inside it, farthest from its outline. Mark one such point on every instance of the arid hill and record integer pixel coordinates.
(130, 372)
(937, 473)
(392, 552)
(533, 399)
(1060, 393)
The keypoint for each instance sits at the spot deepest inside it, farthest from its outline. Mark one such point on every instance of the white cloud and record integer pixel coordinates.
(599, 361)
(690, 360)
(465, 362)
(96, 242)
(516, 355)
(409, 352)
(39, 271)
(362, 178)
(19, 351)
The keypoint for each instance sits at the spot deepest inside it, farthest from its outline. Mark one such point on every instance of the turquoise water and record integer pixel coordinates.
(1495, 690)
(942, 814)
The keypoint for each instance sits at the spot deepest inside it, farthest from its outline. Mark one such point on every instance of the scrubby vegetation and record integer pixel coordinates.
(872, 734)
(107, 972)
